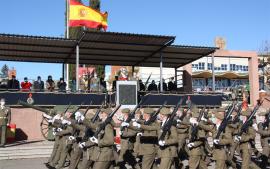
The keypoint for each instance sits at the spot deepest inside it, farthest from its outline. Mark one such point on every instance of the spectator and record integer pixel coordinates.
(152, 86)
(73, 85)
(172, 85)
(38, 84)
(164, 86)
(114, 83)
(62, 85)
(13, 83)
(50, 85)
(103, 85)
(141, 85)
(26, 86)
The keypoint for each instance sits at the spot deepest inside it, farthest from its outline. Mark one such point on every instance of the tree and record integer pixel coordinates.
(5, 70)
(75, 32)
(95, 4)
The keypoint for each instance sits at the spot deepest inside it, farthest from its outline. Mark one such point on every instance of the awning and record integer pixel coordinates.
(101, 48)
(224, 75)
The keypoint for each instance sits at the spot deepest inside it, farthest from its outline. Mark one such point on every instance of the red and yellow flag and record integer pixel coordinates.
(81, 15)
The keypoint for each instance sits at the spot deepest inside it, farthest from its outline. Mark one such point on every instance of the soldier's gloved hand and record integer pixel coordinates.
(135, 124)
(204, 119)
(50, 121)
(81, 118)
(133, 120)
(255, 126)
(46, 116)
(124, 124)
(216, 141)
(94, 140)
(54, 133)
(71, 138)
(82, 145)
(190, 145)
(193, 121)
(237, 138)
(178, 121)
(161, 143)
(59, 129)
(139, 134)
(66, 122)
(120, 132)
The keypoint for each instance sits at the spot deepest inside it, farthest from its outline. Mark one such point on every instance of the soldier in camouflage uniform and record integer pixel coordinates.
(5, 115)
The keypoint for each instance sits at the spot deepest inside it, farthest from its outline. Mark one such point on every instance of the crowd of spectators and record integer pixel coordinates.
(86, 84)
(152, 87)
(38, 85)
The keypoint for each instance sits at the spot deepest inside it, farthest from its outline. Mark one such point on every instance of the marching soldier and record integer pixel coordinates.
(78, 134)
(168, 147)
(196, 146)
(56, 123)
(63, 133)
(148, 140)
(5, 116)
(220, 143)
(88, 146)
(128, 138)
(103, 151)
(244, 142)
(182, 131)
(264, 131)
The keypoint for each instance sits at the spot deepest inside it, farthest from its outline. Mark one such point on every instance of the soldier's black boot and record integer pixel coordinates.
(264, 161)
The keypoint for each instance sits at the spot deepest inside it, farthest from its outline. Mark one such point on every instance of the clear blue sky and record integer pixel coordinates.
(244, 23)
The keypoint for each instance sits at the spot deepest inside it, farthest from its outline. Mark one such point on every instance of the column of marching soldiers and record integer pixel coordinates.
(161, 138)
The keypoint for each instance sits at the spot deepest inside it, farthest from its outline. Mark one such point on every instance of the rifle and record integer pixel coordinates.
(239, 110)
(169, 122)
(194, 128)
(267, 120)
(67, 108)
(106, 122)
(87, 109)
(225, 121)
(147, 81)
(131, 115)
(154, 116)
(78, 108)
(249, 121)
(94, 119)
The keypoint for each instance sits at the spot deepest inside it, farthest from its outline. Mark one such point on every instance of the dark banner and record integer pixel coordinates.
(54, 98)
(210, 100)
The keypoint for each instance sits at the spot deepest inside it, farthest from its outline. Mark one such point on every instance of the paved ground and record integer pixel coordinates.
(37, 163)
(23, 164)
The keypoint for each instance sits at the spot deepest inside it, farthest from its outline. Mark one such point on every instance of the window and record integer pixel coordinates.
(201, 66)
(237, 67)
(209, 66)
(240, 68)
(194, 66)
(232, 67)
(223, 67)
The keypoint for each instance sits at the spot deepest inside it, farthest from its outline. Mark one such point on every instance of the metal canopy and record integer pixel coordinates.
(101, 48)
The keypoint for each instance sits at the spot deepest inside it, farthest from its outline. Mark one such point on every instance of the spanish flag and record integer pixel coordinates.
(81, 15)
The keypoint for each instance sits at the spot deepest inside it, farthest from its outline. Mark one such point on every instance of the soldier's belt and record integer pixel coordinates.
(3, 117)
(149, 140)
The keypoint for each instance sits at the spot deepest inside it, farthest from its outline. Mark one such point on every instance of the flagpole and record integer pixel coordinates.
(67, 36)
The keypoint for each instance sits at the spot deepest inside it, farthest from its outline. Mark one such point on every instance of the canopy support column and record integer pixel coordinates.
(213, 73)
(77, 66)
(161, 73)
(175, 76)
(63, 70)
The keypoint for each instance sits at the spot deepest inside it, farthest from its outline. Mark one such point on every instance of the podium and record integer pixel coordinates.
(126, 93)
